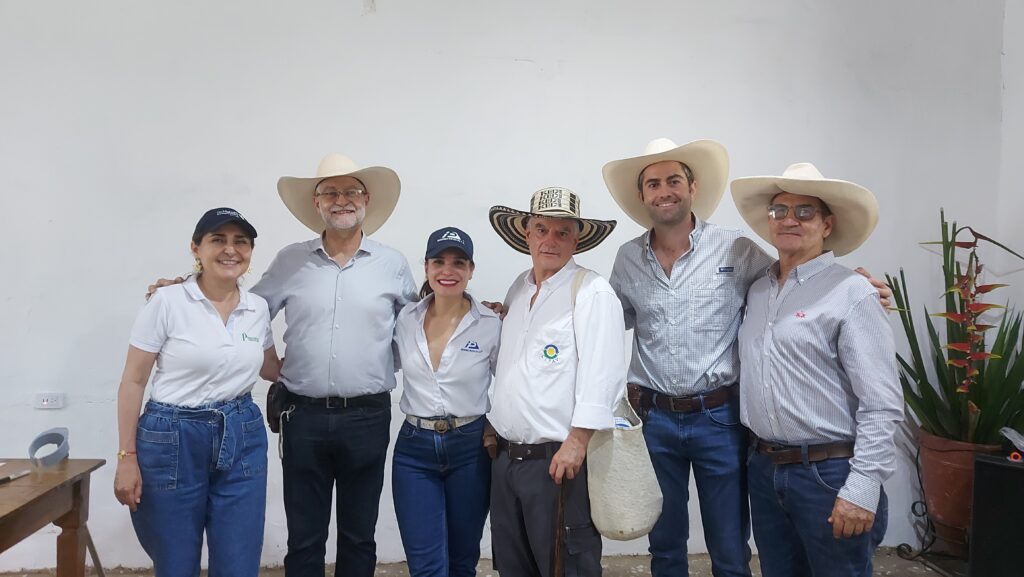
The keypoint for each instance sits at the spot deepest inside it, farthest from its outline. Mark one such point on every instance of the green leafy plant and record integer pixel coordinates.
(977, 388)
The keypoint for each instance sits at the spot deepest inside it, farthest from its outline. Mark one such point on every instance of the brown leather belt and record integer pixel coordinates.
(788, 454)
(692, 404)
(527, 452)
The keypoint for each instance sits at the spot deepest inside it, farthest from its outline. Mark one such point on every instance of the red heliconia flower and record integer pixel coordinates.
(972, 372)
(966, 244)
(978, 308)
(959, 318)
(962, 363)
(980, 328)
(981, 356)
(965, 386)
(962, 347)
(984, 288)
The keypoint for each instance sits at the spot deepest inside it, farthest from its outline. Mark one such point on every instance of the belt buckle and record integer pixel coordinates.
(441, 426)
(336, 402)
(522, 455)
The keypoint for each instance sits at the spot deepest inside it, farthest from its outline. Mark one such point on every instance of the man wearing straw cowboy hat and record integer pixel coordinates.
(682, 285)
(341, 292)
(559, 373)
(820, 389)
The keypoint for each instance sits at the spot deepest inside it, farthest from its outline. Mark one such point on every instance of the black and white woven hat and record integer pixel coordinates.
(550, 202)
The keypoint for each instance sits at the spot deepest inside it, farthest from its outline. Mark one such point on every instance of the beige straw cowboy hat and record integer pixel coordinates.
(381, 184)
(706, 158)
(855, 207)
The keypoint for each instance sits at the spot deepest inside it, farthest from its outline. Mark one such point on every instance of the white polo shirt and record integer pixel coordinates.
(460, 385)
(200, 360)
(555, 372)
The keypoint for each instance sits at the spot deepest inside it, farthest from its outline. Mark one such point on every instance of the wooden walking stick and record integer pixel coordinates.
(557, 559)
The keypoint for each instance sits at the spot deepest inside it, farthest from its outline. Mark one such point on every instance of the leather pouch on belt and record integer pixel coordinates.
(490, 440)
(277, 400)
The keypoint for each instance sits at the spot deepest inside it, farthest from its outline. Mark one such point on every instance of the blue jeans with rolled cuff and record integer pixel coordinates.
(203, 470)
(713, 443)
(791, 505)
(441, 484)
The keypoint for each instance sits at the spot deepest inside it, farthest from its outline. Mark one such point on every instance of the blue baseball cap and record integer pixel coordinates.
(218, 217)
(449, 237)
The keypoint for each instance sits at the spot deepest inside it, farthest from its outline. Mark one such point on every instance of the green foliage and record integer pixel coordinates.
(976, 390)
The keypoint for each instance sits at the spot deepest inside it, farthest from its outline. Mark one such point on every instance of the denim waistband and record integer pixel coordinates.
(225, 414)
(200, 413)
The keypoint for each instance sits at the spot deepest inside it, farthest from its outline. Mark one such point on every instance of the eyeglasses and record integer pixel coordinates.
(802, 212)
(334, 195)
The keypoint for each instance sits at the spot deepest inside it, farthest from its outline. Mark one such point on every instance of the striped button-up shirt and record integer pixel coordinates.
(341, 318)
(685, 325)
(819, 366)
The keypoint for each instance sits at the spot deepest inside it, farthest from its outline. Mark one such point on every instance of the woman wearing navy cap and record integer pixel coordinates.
(448, 346)
(196, 460)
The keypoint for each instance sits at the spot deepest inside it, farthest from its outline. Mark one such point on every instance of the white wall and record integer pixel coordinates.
(122, 121)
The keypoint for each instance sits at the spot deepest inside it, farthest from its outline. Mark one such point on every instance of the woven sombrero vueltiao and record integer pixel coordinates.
(550, 202)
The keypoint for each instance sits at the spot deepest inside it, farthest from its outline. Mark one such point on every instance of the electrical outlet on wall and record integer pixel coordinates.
(49, 401)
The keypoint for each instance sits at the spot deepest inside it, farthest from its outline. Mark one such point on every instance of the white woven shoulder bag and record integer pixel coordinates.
(625, 498)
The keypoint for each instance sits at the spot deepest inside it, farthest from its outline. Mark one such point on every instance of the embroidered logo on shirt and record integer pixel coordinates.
(551, 353)
(247, 339)
(451, 235)
(725, 269)
(471, 347)
(800, 314)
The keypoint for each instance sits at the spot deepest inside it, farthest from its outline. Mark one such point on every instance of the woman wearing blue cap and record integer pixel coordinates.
(195, 461)
(448, 346)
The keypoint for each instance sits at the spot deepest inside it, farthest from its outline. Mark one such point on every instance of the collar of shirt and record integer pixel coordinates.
(192, 289)
(476, 309)
(556, 279)
(366, 246)
(695, 234)
(803, 271)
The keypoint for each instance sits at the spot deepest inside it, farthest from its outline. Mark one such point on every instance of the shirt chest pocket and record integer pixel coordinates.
(552, 350)
(714, 308)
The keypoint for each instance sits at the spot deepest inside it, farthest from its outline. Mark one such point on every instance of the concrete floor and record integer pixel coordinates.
(886, 563)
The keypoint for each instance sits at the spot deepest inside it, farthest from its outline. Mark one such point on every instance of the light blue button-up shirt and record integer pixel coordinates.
(684, 326)
(340, 318)
(819, 366)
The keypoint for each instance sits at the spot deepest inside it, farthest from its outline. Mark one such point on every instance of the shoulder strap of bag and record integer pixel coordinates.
(577, 282)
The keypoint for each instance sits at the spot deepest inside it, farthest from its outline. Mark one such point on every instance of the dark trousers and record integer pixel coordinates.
(524, 505)
(324, 447)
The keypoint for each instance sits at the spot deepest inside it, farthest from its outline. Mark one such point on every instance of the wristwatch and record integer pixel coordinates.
(122, 454)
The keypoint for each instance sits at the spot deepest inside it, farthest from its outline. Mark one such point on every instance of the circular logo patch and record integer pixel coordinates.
(551, 352)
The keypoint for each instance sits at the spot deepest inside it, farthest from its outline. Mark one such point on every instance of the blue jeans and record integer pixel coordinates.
(323, 448)
(203, 469)
(442, 484)
(714, 444)
(791, 505)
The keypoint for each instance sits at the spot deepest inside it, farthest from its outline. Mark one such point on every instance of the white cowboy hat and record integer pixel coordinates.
(708, 160)
(855, 207)
(381, 184)
(551, 202)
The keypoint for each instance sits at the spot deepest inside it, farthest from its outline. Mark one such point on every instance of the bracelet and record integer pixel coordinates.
(122, 454)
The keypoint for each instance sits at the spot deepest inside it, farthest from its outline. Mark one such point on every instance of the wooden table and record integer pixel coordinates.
(58, 495)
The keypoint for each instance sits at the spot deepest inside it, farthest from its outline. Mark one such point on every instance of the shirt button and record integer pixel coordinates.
(333, 356)
(770, 323)
(335, 326)
(339, 298)
(672, 352)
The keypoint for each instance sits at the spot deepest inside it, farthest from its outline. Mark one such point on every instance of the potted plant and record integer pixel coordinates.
(961, 387)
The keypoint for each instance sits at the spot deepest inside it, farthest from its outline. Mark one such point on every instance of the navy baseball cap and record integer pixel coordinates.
(449, 237)
(218, 217)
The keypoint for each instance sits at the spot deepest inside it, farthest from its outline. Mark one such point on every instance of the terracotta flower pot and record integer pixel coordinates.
(947, 476)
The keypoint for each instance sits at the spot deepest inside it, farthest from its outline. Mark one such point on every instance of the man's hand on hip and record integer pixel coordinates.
(849, 520)
(569, 458)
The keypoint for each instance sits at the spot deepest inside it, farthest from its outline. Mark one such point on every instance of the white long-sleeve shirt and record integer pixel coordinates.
(459, 387)
(556, 369)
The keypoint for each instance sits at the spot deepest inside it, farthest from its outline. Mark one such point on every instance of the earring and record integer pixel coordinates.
(198, 267)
